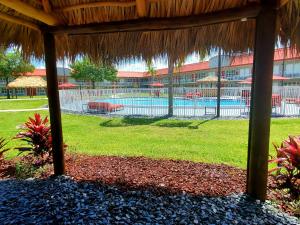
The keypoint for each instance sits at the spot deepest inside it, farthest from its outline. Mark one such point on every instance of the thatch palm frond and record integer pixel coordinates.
(231, 37)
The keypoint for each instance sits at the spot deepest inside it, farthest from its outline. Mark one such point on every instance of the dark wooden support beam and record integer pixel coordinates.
(30, 11)
(156, 24)
(170, 88)
(54, 105)
(260, 115)
(219, 84)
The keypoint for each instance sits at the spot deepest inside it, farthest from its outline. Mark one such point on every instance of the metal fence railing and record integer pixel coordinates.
(188, 102)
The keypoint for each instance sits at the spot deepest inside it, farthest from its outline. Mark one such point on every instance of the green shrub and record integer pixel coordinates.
(25, 170)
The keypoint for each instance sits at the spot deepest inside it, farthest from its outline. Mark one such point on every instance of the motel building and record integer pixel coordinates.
(233, 68)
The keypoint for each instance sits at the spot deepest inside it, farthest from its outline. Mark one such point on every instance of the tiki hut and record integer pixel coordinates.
(30, 83)
(114, 30)
(211, 82)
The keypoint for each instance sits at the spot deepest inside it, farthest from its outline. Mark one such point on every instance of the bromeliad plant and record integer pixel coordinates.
(37, 133)
(288, 165)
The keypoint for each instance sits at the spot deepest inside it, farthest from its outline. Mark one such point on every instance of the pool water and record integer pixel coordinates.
(204, 102)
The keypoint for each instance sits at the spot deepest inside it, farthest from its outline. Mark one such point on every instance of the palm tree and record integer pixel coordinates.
(178, 66)
(151, 69)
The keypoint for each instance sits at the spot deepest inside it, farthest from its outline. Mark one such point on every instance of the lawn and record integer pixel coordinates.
(215, 141)
(22, 103)
(3, 97)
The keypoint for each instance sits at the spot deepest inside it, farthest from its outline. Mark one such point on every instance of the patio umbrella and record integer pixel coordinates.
(157, 84)
(67, 86)
(211, 79)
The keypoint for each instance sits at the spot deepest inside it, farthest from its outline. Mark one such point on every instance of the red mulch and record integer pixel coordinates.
(165, 175)
(7, 169)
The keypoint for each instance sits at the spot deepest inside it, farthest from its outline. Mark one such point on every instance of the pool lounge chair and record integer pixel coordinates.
(293, 101)
(191, 95)
(103, 107)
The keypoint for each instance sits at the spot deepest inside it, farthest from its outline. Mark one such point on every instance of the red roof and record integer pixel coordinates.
(37, 72)
(246, 59)
(194, 67)
(186, 68)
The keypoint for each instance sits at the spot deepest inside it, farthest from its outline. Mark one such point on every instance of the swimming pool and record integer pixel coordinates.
(179, 102)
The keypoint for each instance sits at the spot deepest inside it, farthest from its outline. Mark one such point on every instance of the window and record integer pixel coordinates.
(288, 69)
(276, 70)
(292, 70)
(212, 73)
(245, 73)
(3, 90)
(20, 91)
(200, 75)
(231, 74)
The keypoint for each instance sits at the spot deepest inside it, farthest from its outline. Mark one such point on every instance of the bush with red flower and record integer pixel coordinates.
(36, 132)
(287, 170)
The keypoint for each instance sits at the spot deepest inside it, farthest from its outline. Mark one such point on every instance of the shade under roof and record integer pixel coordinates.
(233, 36)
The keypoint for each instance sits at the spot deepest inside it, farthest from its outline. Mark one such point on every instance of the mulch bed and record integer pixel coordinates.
(161, 176)
(7, 169)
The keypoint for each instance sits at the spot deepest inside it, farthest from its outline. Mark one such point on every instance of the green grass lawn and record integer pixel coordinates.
(223, 141)
(22, 104)
(3, 97)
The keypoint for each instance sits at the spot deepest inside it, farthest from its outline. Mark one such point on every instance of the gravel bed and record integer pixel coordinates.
(65, 201)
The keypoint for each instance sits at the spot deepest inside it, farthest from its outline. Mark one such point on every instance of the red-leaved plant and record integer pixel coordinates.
(288, 165)
(37, 133)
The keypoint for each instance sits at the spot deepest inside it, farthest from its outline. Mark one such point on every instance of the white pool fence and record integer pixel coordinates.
(188, 102)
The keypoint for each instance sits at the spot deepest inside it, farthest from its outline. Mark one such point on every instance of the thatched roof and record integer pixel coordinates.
(28, 82)
(210, 79)
(231, 36)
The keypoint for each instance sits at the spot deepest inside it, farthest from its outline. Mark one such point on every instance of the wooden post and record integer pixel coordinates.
(54, 105)
(170, 87)
(261, 94)
(219, 84)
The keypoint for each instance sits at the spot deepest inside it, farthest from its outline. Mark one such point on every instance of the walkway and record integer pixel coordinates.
(22, 110)
(22, 99)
